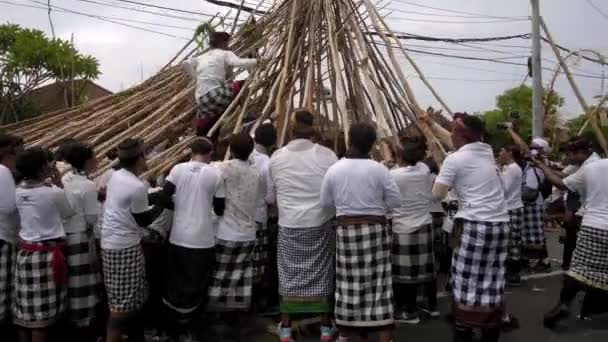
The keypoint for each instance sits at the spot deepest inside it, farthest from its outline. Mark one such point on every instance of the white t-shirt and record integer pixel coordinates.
(82, 195)
(512, 176)
(9, 218)
(532, 182)
(359, 187)
(436, 206)
(126, 195)
(295, 177)
(262, 163)
(243, 186)
(196, 184)
(416, 185)
(592, 181)
(472, 173)
(213, 67)
(42, 210)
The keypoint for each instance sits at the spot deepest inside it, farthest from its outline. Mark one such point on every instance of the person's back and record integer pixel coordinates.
(297, 171)
(195, 186)
(595, 187)
(415, 183)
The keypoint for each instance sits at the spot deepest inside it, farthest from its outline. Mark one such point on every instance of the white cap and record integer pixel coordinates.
(541, 143)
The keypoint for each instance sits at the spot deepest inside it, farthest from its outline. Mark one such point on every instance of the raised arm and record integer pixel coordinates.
(235, 61)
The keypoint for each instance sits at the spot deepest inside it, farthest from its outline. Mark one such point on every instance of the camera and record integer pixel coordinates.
(532, 153)
(502, 125)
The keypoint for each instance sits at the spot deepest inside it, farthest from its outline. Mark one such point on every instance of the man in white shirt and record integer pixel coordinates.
(512, 178)
(413, 254)
(306, 240)
(126, 212)
(40, 297)
(362, 191)
(9, 147)
(232, 280)
(194, 187)
(589, 268)
(213, 71)
(265, 138)
(83, 266)
(481, 228)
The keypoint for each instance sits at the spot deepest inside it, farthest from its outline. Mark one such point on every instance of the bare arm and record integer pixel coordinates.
(440, 191)
(518, 140)
(552, 177)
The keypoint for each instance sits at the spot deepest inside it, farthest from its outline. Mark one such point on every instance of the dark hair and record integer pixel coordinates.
(579, 144)
(413, 150)
(362, 137)
(218, 39)
(241, 145)
(475, 124)
(63, 148)
(516, 154)
(78, 155)
(433, 167)
(266, 135)
(112, 154)
(9, 144)
(304, 124)
(201, 147)
(31, 162)
(129, 152)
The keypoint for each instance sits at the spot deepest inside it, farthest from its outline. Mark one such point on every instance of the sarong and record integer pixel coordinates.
(364, 286)
(515, 241)
(590, 259)
(413, 256)
(533, 233)
(7, 253)
(231, 283)
(215, 102)
(40, 299)
(187, 278)
(84, 277)
(261, 252)
(124, 272)
(478, 273)
(305, 259)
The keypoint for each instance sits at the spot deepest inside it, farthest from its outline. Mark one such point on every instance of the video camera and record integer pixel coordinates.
(513, 119)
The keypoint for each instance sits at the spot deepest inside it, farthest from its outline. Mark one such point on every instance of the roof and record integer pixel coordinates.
(52, 97)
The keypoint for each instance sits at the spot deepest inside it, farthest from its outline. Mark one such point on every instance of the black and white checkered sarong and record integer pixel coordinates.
(306, 259)
(232, 279)
(7, 252)
(215, 102)
(478, 265)
(413, 256)
(533, 233)
(39, 301)
(124, 273)
(261, 252)
(590, 259)
(515, 241)
(84, 277)
(364, 286)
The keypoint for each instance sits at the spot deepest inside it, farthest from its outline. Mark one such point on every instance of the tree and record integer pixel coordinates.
(519, 100)
(28, 59)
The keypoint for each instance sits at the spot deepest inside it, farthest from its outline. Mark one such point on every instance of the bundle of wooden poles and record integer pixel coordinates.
(315, 54)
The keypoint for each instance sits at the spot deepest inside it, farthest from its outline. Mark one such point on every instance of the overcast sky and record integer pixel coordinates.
(125, 53)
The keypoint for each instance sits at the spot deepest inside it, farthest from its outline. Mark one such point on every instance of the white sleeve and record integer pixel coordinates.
(139, 200)
(271, 190)
(62, 203)
(509, 177)
(173, 176)
(447, 172)
(327, 197)
(237, 62)
(91, 205)
(392, 194)
(576, 181)
(7, 198)
(220, 188)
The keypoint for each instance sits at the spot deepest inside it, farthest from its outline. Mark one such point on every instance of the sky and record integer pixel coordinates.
(127, 55)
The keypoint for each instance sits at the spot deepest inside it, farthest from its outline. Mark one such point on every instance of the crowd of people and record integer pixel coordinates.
(354, 242)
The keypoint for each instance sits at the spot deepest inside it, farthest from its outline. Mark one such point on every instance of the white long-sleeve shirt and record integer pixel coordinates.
(213, 67)
(8, 207)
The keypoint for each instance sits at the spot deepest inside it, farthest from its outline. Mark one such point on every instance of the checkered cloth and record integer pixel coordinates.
(84, 277)
(215, 102)
(515, 242)
(261, 252)
(413, 256)
(478, 265)
(590, 259)
(364, 286)
(232, 279)
(305, 259)
(38, 301)
(124, 273)
(7, 252)
(533, 234)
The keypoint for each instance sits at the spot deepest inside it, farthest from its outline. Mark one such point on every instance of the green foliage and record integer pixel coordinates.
(28, 59)
(519, 100)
